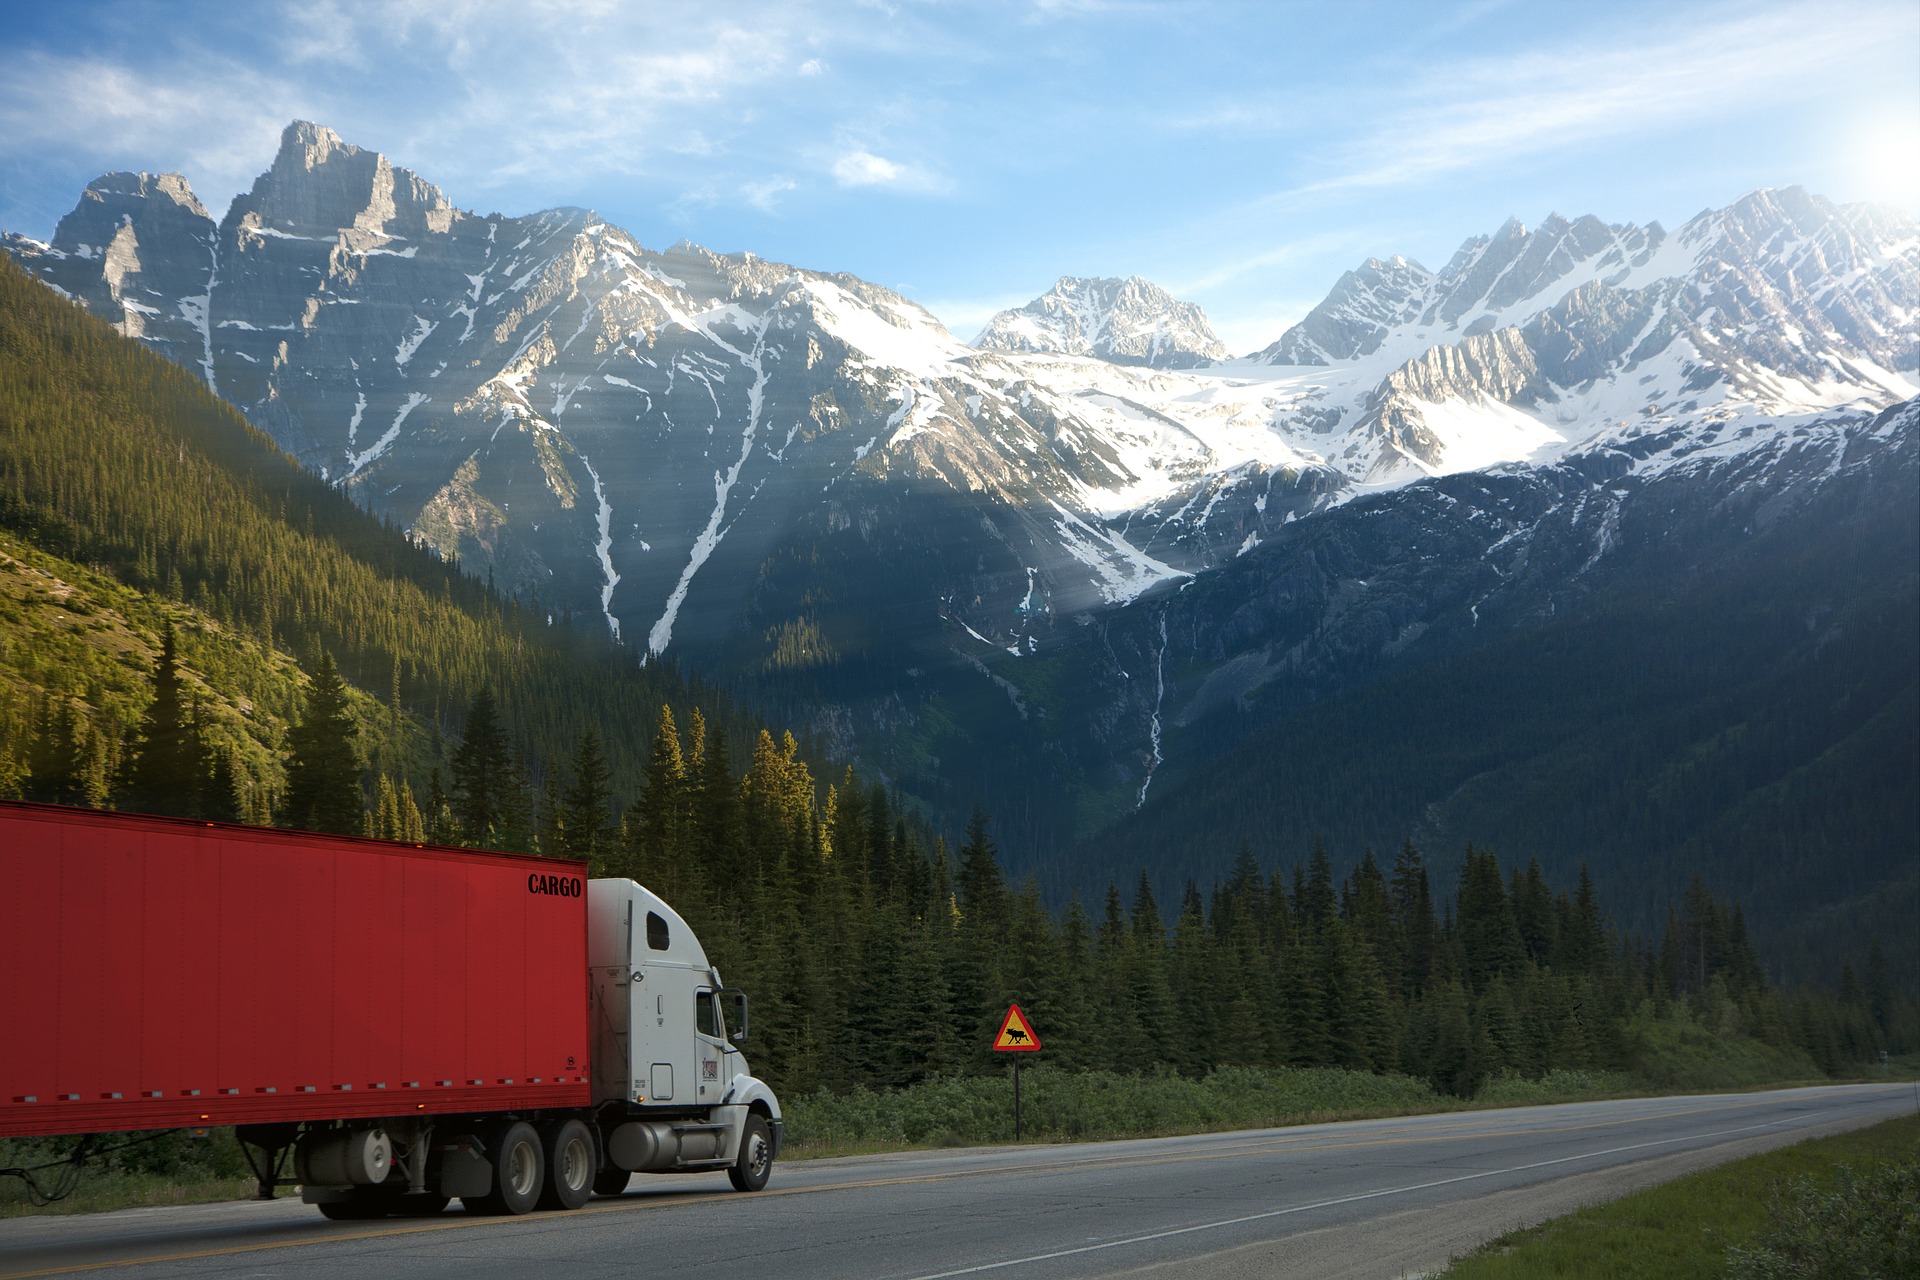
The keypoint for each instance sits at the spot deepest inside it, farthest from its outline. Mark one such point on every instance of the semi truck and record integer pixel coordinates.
(387, 1026)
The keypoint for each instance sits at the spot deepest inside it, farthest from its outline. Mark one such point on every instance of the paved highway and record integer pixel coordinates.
(1369, 1198)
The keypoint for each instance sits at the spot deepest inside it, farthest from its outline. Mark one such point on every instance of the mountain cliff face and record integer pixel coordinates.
(1661, 656)
(956, 561)
(1131, 321)
(634, 435)
(1526, 340)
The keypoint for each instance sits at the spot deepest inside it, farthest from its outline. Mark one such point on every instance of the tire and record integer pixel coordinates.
(755, 1163)
(428, 1205)
(518, 1171)
(572, 1164)
(612, 1180)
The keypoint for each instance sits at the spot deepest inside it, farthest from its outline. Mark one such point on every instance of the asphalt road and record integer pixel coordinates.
(1368, 1198)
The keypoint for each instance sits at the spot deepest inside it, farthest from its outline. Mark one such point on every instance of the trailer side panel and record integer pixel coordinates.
(161, 973)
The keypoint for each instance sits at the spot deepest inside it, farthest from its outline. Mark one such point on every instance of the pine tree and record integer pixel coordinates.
(981, 886)
(714, 838)
(323, 771)
(219, 789)
(1489, 940)
(56, 757)
(1413, 918)
(167, 764)
(586, 822)
(482, 774)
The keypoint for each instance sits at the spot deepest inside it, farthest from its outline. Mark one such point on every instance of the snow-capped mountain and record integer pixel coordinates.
(632, 434)
(1527, 343)
(1131, 321)
(757, 465)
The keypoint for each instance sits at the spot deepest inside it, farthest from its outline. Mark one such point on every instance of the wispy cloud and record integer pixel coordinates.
(764, 195)
(1489, 110)
(861, 168)
(217, 127)
(487, 95)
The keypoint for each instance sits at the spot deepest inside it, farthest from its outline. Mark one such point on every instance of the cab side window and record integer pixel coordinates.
(656, 931)
(706, 1015)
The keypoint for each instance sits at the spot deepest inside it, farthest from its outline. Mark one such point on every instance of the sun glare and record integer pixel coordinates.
(1882, 158)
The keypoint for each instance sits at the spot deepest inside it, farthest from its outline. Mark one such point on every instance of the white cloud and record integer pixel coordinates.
(865, 169)
(763, 195)
(860, 167)
(219, 127)
(812, 67)
(1489, 110)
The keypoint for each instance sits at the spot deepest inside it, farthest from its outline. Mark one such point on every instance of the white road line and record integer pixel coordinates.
(1328, 1204)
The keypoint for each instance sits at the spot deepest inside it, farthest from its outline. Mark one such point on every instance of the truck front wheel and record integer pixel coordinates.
(755, 1163)
(571, 1164)
(518, 1171)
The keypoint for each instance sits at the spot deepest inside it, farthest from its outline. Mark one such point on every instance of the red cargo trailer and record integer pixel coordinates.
(163, 972)
(412, 1023)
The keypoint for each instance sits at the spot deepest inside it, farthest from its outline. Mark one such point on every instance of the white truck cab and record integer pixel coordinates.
(672, 1089)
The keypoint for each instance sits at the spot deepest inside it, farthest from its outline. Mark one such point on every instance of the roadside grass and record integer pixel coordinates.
(162, 1168)
(1687, 1228)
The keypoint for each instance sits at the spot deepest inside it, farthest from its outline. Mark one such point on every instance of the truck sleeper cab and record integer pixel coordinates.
(672, 1093)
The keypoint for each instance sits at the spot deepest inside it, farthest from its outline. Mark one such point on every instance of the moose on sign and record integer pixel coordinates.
(1016, 1033)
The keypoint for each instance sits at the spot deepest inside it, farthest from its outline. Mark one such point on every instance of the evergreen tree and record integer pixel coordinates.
(981, 886)
(1489, 941)
(56, 757)
(482, 774)
(167, 764)
(219, 789)
(715, 815)
(323, 772)
(1414, 923)
(586, 822)
(656, 822)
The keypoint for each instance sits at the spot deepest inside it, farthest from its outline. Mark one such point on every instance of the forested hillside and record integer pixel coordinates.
(879, 956)
(1733, 690)
(131, 499)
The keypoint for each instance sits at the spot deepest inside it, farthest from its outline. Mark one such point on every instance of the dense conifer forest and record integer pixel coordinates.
(191, 624)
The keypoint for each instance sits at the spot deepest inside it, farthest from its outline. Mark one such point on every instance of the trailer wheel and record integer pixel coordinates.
(514, 1152)
(755, 1164)
(611, 1181)
(571, 1164)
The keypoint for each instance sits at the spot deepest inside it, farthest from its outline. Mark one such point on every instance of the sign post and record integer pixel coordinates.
(1016, 1036)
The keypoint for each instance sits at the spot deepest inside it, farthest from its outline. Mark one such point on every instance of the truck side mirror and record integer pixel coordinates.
(739, 1017)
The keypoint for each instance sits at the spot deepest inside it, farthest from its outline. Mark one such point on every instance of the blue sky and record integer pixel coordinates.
(1241, 154)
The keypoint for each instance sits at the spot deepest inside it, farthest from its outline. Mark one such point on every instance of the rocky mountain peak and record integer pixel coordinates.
(320, 186)
(1130, 321)
(126, 189)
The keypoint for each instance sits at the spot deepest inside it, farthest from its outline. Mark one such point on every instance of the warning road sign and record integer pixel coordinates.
(1016, 1033)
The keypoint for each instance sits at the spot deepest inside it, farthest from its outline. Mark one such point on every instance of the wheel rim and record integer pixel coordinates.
(523, 1169)
(576, 1165)
(759, 1156)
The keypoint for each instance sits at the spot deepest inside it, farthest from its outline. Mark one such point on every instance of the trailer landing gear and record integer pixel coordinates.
(274, 1141)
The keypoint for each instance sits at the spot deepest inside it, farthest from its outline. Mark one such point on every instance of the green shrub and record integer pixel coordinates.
(1676, 1052)
(1863, 1224)
(1059, 1105)
(163, 1167)
(1555, 1086)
